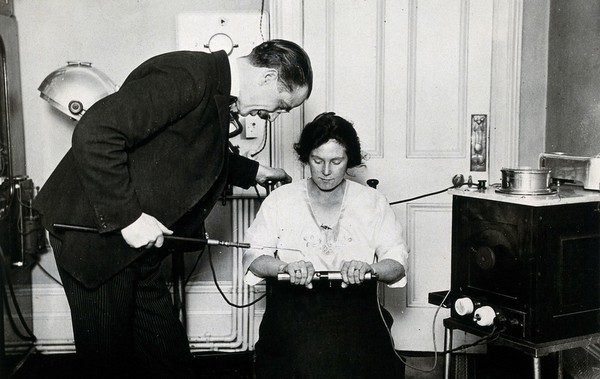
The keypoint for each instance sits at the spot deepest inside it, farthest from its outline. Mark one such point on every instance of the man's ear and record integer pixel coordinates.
(270, 75)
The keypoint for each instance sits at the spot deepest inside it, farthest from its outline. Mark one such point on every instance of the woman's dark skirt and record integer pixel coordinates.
(325, 332)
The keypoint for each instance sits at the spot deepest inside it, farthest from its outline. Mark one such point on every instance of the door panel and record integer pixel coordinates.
(408, 74)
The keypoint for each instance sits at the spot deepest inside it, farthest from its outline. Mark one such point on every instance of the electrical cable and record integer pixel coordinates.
(8, 161)
(263, 143)
(459, 183)
(257, 192)
(21, 361)
(435, 352)
(262, 11)
(422, 196)
(8, 201)
(212, 269)
(2, 161)
(495, 333)
(11, 319)
(200, 254)
(31, 337)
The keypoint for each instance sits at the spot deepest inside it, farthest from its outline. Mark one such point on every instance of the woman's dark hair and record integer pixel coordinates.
(290, 60)
(325, 127)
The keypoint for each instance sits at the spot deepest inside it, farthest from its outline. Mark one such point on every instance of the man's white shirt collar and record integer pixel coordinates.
(235, 79)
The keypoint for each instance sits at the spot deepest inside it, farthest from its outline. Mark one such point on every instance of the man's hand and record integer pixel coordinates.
(146, 232)
(266, 173)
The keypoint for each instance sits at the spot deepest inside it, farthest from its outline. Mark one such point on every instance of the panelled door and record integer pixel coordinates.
(410, 75)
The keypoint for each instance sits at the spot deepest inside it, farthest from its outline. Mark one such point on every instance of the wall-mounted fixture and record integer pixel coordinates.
(479, 136)
(221, 41)
(74, 88)
(235, 32)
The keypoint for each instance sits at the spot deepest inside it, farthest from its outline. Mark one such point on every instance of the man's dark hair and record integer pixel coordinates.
(290, 60)
(325, 127)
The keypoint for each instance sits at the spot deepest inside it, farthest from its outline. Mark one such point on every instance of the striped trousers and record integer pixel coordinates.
(126, 328)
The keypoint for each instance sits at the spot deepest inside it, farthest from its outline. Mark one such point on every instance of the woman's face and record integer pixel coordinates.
(328, 164)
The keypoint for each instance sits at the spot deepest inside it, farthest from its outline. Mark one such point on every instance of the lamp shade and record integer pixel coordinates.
(74, 88)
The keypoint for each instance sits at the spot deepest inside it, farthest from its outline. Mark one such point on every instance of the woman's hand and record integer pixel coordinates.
(301, 273)
(353, 272)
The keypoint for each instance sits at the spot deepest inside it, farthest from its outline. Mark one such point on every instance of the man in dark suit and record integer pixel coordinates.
(147, 161)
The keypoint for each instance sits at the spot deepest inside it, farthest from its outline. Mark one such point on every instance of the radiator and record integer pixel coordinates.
(235, 327)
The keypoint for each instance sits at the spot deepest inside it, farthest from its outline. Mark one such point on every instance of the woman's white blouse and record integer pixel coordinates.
(367, 230)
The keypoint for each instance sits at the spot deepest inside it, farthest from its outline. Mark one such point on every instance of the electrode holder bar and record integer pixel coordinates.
(326, 275)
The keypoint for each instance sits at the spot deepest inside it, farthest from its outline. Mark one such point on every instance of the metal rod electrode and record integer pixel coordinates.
(326, 275)
(210, 242)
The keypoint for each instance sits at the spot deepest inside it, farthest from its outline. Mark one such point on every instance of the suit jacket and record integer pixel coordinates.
(159, 146)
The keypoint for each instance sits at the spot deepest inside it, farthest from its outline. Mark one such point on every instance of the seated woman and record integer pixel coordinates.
(315, 328)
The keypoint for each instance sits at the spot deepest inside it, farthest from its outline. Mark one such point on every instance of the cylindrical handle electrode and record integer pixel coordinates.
(484, 316)
(325, 275)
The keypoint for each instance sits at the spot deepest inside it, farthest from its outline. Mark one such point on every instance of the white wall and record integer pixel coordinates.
(534, 82)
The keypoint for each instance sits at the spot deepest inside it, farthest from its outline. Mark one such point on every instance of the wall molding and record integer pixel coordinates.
(413, 300)
(412, 148)
(206, 308)
(287, 22)
(506, 87)
(378, 151)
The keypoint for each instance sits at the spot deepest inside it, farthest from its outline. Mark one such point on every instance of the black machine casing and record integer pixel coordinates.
(536, 265)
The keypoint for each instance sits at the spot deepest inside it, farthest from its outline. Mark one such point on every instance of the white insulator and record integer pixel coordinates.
(464, 306)
(484, 316)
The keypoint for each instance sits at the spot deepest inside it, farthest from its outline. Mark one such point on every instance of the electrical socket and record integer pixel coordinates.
(251, 129)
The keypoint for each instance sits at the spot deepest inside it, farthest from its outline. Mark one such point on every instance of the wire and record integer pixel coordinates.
(31, 336)
(422, 196)
(257, 192)
(200, 254)
(432, 193)
(19, 364)
(262, 11)
(263, 143)
(485, 339)
(5, 208)
(435, 352)
(212, 269)
(9, 163)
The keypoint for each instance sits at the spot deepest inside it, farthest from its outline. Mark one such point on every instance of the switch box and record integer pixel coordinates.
(253, 127)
